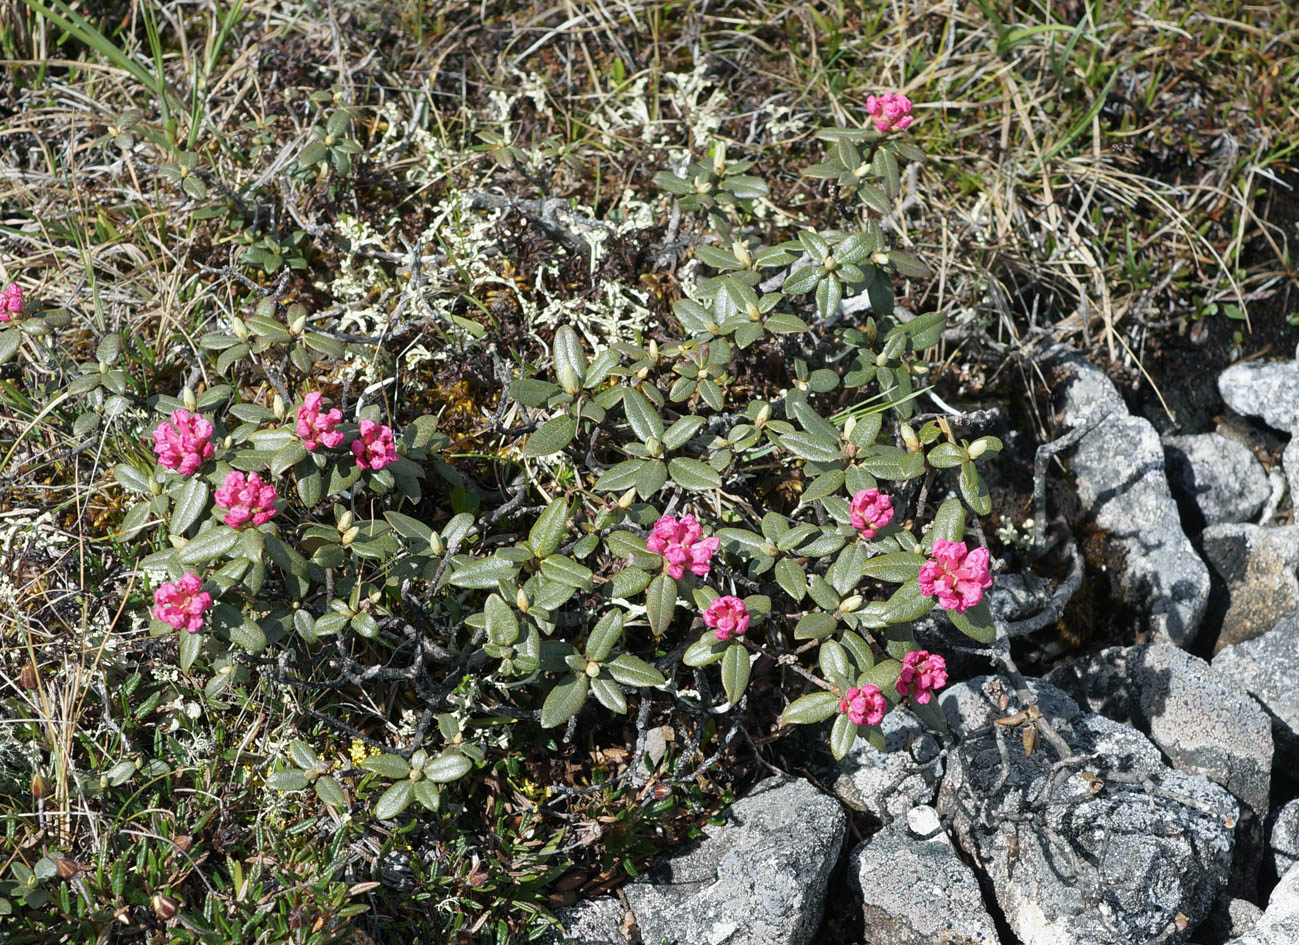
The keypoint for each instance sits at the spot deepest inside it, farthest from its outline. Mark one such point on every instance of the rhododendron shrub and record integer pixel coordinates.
(617, 506)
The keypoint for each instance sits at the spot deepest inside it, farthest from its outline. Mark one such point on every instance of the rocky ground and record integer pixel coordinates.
(1136, 793)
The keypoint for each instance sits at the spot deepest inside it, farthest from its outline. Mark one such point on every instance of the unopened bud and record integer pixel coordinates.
(435, 544)
(419, 759)
(345, 521)
(67, 868)
(627, 498)
(880, 259)
(349, 536)
(909, 437)
(298, 324)
(188, 399)
(521, 600)
(40, 787)
(277, 407)
(239, 328)
(165, 907)
(740, 250)
(654, 446)
(28, 678)
(592, 669)
(653, 350)
(849, 426)
(850, 604)
(764, 414)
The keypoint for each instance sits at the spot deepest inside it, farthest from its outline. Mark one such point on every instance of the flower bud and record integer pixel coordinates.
(238, 327)
(977, 448)
(277, 407)
(592, 669)
(165, 907)
(653, 350)
(654, 446)
(349, 536)
(909, 437)
(28, 679)
(764, 414)
(627, 498)
(740, 250)
(419, 759)
(435, 544)
(880, 259)
(521, 600)
(297, 326)
(40, 787)
(67, 868)
(850, 604)
(345, 521)
(188, 399)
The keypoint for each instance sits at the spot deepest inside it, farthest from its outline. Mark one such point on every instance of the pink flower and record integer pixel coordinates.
(11, 303)
(375, 447)
(891, 112)
(182, 604)
(924, 672)
(246, 498)
(870, 511)
(182, 444)
(680, 544)
(727, 616)
(956, 578)
(316, 428)
(864, 706)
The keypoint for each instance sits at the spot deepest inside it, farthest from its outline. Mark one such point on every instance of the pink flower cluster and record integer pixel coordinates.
(182, 604)
(246, 499)
(375, 447)
(891, 112)
(681, 543)
(727, 616)
(11, 303)
(922, 673)
(317, 428)
(870, 511)
(956, 577)
(864, 706)
(182, 444)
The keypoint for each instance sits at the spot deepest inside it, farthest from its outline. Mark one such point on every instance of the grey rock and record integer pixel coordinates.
(1290, 463)
(1216, 475)
(1203, 723)
(1105, 850)
(1258, 567)
(591, 922)
(1267, 667)
(1283, 838)
(915, 888)
(760, 877)
(1268, 390)
(1231, 917)
(1280, 922)
(1119, 468)
(878, 782)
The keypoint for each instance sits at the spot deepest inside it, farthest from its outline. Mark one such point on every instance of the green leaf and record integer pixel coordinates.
(974, 490)
(330, 792)
(551, 437)
(627, 582)
(907, 604)
(309, 485)
(894, 463)
(784, 323)
(946, 455)
(428, 794)
(811, 447)
(447, 767)
(896, 568)
(570, 359)
(190, 645)
(705, 651)
(394, 800)
(735, 671)
(290, 779)
(811, 708)
(815, 626)
(650, 478)
(976, 623)
(131, 478)
(693, 475)
(9, 342)
(604, 635)
(502, 626)
(884, 676)
(792, 578)
(620, 476)
(564, 700)
(842, 735)
(207, 545)
(644, 419)
(609, 694)
(549, 529)
(660, 602)
(409, 527)
(949, 522)
(191, 502)
(564, 570)
(302, 754)
(931, 715)
(677, 435)
(533, 392)
(390, 766)
(483, 573)
(633, 671)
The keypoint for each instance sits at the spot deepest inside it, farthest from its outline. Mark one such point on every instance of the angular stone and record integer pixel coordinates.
(878, 782)
(1105, 850)
(915, 888)
(1280, 922)
(1119, 469)
(760, 877)
(1230, 918)
(1283, 838)
(1258, 566)
(591, 922)
(1267, 667)
(1290, 464)
(1215, 477)
(1268, 390)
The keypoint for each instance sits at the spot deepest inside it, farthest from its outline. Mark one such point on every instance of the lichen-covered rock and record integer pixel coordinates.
(1267, 667)
(882, 784)
(1283, 838)
(1231, 917)
(760, 877)
(1118, 465)
(915, 889)
(1215, 478)
(591, 922)
(1110, 848)
(1258, 566)
(1280, 922)
(1268, 390)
